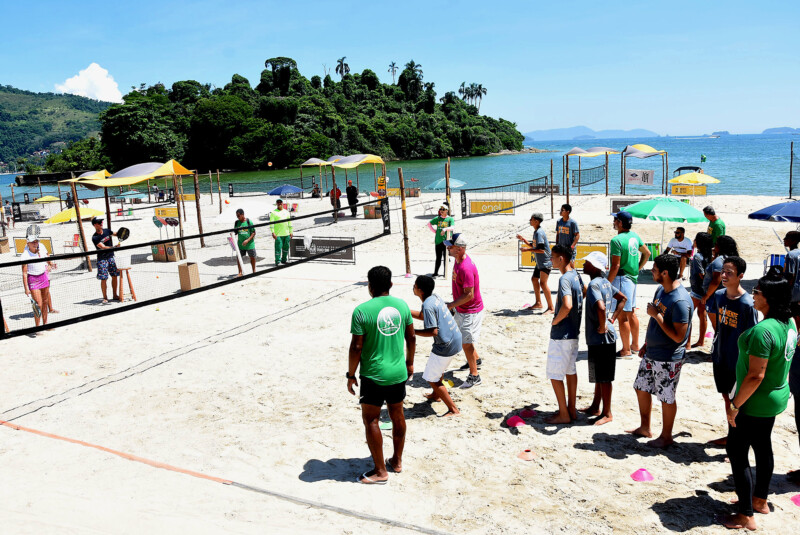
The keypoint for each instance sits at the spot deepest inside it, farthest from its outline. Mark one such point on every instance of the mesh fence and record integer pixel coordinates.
(171, 267)
(503, 199)
(795, 166)
(582, 178)
(246, 189)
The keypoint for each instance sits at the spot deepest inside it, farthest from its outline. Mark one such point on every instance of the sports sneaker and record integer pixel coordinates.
(466, 366)
(472, 380)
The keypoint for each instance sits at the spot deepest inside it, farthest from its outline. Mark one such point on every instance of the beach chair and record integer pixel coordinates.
(774, 260)
(293, 207)
(427, 208)
(75, 243)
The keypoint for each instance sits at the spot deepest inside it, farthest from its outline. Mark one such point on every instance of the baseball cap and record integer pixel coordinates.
(623, 216)
(279, 201)
(96, 220)
(458, 240)
(32, 237)
(597, 259)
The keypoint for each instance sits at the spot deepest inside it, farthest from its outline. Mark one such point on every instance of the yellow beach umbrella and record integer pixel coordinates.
(69, 215)
(694, 178)
(46, 198)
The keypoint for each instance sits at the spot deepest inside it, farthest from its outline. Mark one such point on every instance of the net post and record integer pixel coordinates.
(405, 224)
(450, 209)
(552, 211)
(387, 222)
(579, 174)
(197, 205)
(791, 166)
(60, 206)
(606, 173)
(180, 219)
(108, 208)
(39, 180)
(80, 225)
(13, 199)
(182, 199)
(301, 181)
(334, 200)
(568, 178)
(219, 192)
(211, 187)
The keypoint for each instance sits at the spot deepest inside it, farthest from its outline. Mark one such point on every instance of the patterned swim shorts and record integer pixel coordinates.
(106, 268)
(659, 378)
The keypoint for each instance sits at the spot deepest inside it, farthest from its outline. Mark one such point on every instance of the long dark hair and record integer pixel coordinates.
(778, 293)
(704, 246)
(727, 246)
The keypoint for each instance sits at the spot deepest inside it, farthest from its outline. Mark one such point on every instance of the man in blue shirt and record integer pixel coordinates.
(540, 247)
(664, 349)
(567, 231)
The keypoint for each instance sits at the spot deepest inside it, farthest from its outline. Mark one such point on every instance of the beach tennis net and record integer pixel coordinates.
(582, 178)
(170, 268)
(248, 189)
(503, 199)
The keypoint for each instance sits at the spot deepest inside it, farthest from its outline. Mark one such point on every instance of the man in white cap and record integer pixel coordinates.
(468, 304)
(282, 233)
(601, 338)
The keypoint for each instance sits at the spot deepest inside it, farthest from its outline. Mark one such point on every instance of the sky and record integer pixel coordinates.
(673, 67)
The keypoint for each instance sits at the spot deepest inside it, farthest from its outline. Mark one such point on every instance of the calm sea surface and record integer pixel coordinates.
(745, 164)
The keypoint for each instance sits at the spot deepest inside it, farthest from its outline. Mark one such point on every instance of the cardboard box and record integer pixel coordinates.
(173, 252)
(372, 212)
(4, 248)
(159, 253)
(189, 276)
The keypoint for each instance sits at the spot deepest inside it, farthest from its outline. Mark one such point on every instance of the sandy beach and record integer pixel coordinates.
(246, 384)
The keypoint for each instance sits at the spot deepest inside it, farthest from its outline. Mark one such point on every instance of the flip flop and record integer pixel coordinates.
(364, 479)
(390, 468)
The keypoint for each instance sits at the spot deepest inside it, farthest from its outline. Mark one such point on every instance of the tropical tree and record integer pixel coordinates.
(462, 90)
(479, 92)
(393, 70)
(415, 68)
(342, 68)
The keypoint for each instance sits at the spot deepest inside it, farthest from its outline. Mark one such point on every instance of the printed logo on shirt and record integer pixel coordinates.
(389, 321)
(563, 229)
(791, 344)
(633, 247)
(729, 318)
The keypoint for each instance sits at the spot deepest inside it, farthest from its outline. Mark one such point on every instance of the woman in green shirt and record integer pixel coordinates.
(761, 393)
(438, 224)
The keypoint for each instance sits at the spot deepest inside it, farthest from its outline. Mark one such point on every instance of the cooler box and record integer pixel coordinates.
(189, 276)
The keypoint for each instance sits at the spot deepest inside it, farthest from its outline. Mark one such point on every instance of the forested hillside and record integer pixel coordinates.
(287, 118)
(34, 121)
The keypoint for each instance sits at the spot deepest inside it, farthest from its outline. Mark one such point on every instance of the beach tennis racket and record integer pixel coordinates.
(157, 222)
(172, 222)
(37, 311)
(123, 233)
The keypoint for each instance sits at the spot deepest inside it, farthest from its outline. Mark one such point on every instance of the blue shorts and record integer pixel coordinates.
(106, 268)
(627, 288)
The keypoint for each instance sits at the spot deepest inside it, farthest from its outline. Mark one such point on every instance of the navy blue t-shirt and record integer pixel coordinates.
(734, 316)
(697, 272)
(570, 327)
(676, 306)
(105, 239)
(435, 314)
(599, 289)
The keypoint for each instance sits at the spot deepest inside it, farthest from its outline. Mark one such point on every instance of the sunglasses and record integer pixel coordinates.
(756, 291)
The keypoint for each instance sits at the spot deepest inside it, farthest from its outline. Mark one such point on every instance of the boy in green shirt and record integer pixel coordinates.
(716, 226)
(438, 225)
(281, 231)
(246, 235)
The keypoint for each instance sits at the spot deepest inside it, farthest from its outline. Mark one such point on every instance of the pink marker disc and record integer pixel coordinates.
(642, 475)
(515, 421)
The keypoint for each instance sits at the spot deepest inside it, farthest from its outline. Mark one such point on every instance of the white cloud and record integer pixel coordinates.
(93, 82)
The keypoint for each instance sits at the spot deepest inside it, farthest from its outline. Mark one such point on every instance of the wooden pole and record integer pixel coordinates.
(210, 187)
(183, 200)
(219, 193)
(13, 199)
(606, 171)
(333, 196)
(358, 184)
(80, 225)
(579, 175)
(405, 224)
(326, 176)
(552, 208)
(569, 180)
(622, 174)
(60, 205)
(301, 180)
(375, 172)
(566, 175)
(666, 172)
(180, 219)
(148, 191)
(197, 205)
(791, 166)
(108, 208)
(449, 212)
(39, 180)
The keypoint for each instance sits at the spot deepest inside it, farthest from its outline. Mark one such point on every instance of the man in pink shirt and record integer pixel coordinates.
(468, 304)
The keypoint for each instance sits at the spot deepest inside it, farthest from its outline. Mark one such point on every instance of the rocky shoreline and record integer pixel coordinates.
(527, 150)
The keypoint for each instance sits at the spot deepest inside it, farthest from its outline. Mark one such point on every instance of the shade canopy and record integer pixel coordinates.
(355, 160)
(590, 152)
(45, 199)
(89, 175)
(334, 158)
(135, 174)
(314, 161)
(785, 211)
(441, 184)
(665, 209)
(70, 215)
(694, 178)
(640, 150)
(283, 190)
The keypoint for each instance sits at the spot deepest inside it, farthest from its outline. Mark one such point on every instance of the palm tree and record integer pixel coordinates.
(462, 90)
(480, 91)
(342, 68)
(415, 68)
(473, 92)
(393, 70)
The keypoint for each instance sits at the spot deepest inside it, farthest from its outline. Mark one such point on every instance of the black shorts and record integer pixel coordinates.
(602, 363)
(537, 271)
(794, 308)
(724, 377)
(248, 252)
(374, 394)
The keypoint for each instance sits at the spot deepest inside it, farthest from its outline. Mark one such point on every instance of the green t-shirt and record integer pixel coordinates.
(439, 223)
(626, 245)
(245, 233)
(716, 229)
(776, 341)
(382, 321)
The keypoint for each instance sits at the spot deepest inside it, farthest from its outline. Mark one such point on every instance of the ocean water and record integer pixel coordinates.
(745, 164)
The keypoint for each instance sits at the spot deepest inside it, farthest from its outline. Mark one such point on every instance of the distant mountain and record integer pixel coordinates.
(583, 132)
(782, 130)
(721, 133)
(31, 122)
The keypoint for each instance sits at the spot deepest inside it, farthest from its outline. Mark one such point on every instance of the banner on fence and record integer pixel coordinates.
(641, 177)
(171, 211)
(488, 207)
(301, 247)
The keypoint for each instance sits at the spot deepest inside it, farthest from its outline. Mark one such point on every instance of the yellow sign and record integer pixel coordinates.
(488, 207)
(171, 211)
(395, 192)
(527, 258)
(583, 250)
(382, 187)
(688, 190)
(21, 243)
(187, 197)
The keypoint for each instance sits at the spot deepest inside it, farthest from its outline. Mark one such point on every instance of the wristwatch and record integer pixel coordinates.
(734, 408)
(347, 374)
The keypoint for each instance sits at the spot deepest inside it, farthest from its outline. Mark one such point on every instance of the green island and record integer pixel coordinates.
(288, 118)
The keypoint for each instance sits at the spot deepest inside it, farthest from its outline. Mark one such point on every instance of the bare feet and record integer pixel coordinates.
(53, 311)
(721, 442)
(591, 410)
(660, 442)
(393, 465)
(431, 397)
(641, 432)
(604, 420)
(558, 419)
(738, 521)
(448, 414)
(760, 506)
(537, 305)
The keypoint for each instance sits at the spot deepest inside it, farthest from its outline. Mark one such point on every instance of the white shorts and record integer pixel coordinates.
(470, 326)
(561, 357)
(436, 367)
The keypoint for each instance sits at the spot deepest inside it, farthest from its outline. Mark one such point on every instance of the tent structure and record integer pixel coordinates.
(46, 199)
(319, 164)
(591, 152)
(354, 160)
(71, 215)
(641, 151)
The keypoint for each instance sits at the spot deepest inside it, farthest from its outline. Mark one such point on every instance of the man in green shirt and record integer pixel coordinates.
(438, 225)
(628, 257)
(281, 231)
(716, 226)
(379, 328)
(246, 235)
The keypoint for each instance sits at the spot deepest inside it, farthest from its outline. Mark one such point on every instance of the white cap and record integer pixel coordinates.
(597, 259)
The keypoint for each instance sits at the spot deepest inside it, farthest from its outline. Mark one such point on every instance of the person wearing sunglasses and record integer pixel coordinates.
(680, 246)
(439, 226)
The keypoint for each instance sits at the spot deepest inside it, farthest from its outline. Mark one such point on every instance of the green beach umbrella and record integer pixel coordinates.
(665, 209)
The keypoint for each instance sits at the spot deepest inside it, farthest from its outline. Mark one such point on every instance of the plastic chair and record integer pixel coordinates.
(75, 243)
(774, 260)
